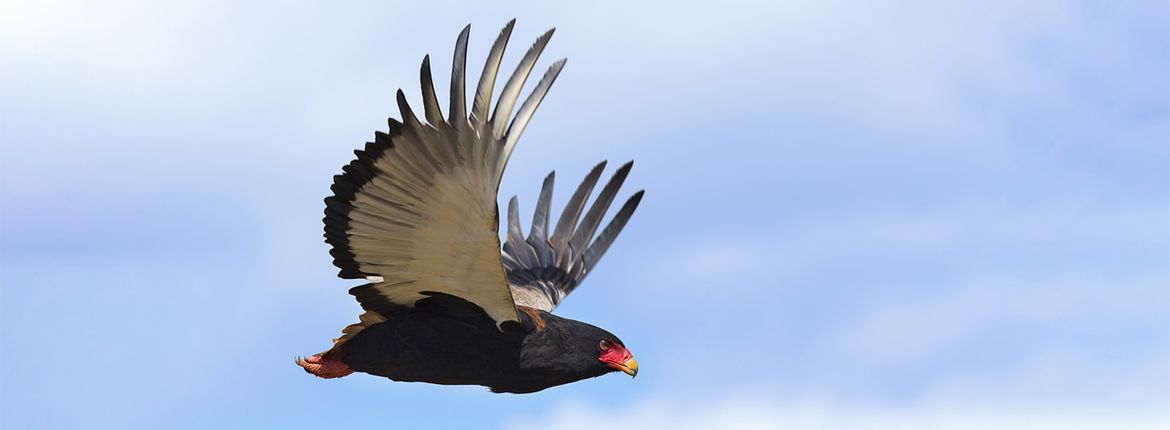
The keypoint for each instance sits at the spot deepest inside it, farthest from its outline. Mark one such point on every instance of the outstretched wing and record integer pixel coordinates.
(415, 213)
(544, 269)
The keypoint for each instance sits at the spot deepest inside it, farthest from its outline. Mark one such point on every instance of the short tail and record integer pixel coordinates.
(324, 367)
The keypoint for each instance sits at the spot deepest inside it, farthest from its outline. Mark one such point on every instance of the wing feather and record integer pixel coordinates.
(573, 208)
(511, 91)
(592, 218)
(543, 270)
(538, 237)
(458, 80)
(605, 239)
(430, 99)
(529, 107)
(416, 212)
(487, 81)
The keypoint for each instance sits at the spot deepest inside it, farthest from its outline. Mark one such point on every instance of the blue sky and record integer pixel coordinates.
(904, 215)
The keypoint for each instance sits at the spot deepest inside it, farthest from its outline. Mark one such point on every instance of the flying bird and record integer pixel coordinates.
(415, 215)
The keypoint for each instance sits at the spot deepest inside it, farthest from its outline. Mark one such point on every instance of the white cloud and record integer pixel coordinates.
(1053, 302)
(754, 412)
(904, 327)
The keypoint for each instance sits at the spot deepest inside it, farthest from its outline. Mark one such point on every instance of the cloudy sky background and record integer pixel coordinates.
(898, 216)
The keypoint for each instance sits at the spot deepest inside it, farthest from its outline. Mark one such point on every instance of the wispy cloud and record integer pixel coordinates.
(755, 412)
(965, 237)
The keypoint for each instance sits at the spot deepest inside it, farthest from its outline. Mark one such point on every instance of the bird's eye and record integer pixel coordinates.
(604, 344)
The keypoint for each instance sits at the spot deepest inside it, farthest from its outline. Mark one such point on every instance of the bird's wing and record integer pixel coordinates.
(543, 269)
(415, 213)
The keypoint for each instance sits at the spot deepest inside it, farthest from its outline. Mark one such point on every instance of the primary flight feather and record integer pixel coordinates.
(415, 215)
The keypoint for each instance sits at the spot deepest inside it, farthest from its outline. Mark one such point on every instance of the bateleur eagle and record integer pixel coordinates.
(415, 215)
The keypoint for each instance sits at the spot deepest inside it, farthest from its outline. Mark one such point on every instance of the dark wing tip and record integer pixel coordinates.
(458, 90)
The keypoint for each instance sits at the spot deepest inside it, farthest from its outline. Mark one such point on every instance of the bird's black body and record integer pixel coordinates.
(446, 340)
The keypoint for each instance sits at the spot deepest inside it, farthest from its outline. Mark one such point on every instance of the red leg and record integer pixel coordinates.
(324, 368)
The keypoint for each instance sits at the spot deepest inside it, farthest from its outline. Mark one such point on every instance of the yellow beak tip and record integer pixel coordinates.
(631, 368)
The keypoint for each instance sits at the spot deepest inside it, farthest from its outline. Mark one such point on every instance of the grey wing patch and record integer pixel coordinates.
(543, 269)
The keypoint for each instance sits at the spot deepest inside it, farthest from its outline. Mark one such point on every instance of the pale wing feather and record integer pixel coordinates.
(416, 211)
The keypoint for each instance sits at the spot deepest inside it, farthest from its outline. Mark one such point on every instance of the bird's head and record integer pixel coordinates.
(578, 349)
(615, 355)
(596, 349)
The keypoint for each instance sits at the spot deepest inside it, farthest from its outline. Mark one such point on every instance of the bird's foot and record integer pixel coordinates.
(323, 367)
